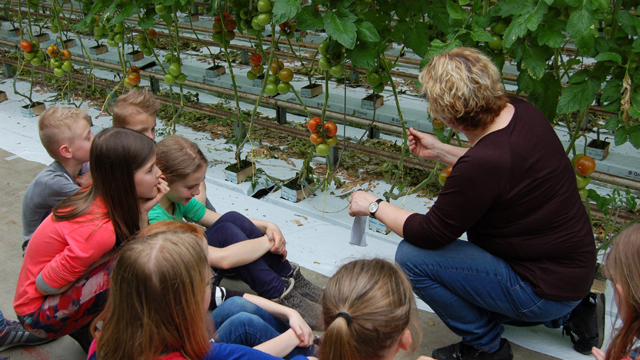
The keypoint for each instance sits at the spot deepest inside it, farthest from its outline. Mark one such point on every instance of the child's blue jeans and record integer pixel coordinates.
(474, 292)
(265, 274)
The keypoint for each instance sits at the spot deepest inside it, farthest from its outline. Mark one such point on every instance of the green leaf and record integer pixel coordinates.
(612, 123)
(583, 29)
(284, 10)
(309, 18)
(612, 91)
(534, 60)
(456, 11)
(529, 21)
(576, 97)
(579, 76)
(147, 21)
(367, 32)
(543, 94)
(629, 23)
(634, 112)
(511, 7)
(364, 54)
(130, 9)
(636, 45)
(550, 37)
(620, 136)
(340, 26)
(415, 39)
(438, 47)
(610, 56)
(634, 136)
(478, 34)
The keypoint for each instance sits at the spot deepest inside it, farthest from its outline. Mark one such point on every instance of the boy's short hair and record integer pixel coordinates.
(134, 102)
(56, 126)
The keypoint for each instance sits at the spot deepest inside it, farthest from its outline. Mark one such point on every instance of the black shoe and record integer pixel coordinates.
(585, 326)
(462, 351)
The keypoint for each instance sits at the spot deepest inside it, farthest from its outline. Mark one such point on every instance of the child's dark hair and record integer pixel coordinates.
(366, 307)
(622, 267)
(115, 155)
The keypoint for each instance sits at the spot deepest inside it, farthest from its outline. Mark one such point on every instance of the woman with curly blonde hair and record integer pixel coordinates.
(530, 255)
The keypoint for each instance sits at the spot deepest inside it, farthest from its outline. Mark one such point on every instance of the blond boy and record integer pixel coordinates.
(137, 110)
(66, 135)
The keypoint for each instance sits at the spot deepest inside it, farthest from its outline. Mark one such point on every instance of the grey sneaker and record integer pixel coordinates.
(305, 287)
(16, 335)
(309, 311)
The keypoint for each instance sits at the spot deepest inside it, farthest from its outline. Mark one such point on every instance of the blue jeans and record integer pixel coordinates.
(474, 292)
(264, 275)
(239, 321)
(3, 322)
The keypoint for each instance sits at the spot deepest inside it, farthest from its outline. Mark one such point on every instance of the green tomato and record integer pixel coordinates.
(67, 66)
(252, 31)
(119, 38)
(284, 88)
(255, 25)
(119, 27)
(161, 9)
(99, 37)
(30, 55)
(323, 63)
(499, 28)
(141, 39)
(264, 6)
(608, 19)
(384, 78)
(36, 61)
(323, 149)
(169, 79)
(112, 43)
(244, 13)
(272, 79)
(332, 141)
(322, 48)
(337, 70)
(583, 194)
(180, 79)
(496, 43)
(56, 63)
(175, 69)
(251, 76)
(582, 181)
(58, 72)
(373, 79)
(147, 51)
(575, 158)
(264, 19)
(55, 29)
(41, 54)
(98, 30)
(378, 88)
(271, 89)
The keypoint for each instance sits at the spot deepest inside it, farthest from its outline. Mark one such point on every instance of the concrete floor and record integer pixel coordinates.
(15, 176)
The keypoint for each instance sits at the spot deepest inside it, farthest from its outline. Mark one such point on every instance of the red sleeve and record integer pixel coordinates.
(475, 183)
(86, 243)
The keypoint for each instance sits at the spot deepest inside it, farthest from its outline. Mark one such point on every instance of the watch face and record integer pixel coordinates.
(373, 207)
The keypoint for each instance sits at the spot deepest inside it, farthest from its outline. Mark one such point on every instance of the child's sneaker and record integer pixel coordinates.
(585, 326)
(15, 335)
(305, 287)
(462, 351)
(309, 311)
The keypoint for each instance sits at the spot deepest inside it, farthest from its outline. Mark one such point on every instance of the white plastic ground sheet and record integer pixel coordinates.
(316, 241)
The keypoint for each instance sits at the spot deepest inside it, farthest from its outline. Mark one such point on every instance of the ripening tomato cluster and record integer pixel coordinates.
(378, 77)
(444, 174)
(288, 29)
(113, 33)
(32, 52)
(584, 167)
(279, 79)
(322, 135)
(59, 60)
(133, 77)
(174, 71)
(148, 42)
(331, 58)
(228, 26)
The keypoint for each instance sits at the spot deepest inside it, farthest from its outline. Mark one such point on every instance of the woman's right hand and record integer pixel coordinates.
(423, 145)
(597, 353)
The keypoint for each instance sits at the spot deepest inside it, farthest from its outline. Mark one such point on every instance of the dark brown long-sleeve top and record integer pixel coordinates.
(515, 195)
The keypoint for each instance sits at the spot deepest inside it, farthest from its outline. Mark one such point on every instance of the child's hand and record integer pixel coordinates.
(302, 330)
(279, 243)
(597, 353)
(425, 358)
(147, 204)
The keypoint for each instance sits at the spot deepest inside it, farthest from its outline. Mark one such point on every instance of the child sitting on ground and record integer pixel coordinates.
(369, 312)
(137, 110)
(166, 273)
(622, 268)
(67, 137)
(261, 263)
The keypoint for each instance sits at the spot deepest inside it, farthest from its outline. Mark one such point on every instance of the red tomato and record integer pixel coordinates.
(315, 139)
(585, 166)
(230, 24)
(152, 33)
(227, 16)
(256, 59)
(331, 128)
(134, 79)
(134, 69)
(52, 50)
(313, 124)
(26, 46)
(283, 25)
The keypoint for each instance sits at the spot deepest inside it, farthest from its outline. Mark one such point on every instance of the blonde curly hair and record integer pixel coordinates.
(463, 86)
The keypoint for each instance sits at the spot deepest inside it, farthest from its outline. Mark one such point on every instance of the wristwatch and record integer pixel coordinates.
(373, 207)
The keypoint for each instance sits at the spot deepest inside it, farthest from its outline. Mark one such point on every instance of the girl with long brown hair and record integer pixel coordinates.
(622, 268)
(64, 278)
(254, 249)
(158, 305)
(369, 313)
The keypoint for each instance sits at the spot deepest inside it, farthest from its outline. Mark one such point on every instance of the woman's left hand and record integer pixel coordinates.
(279, 243)
(147, 204)
(302, 330)
(359, 203)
